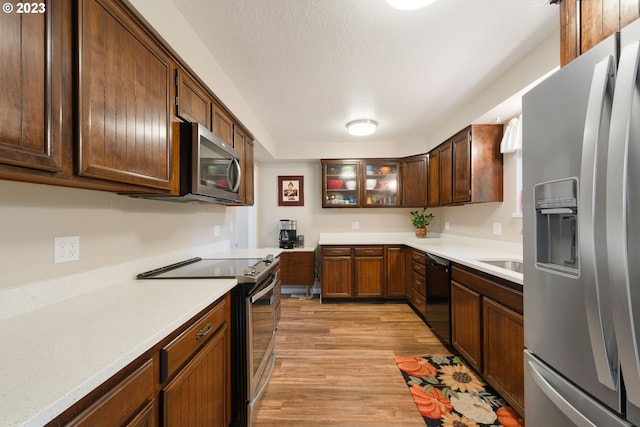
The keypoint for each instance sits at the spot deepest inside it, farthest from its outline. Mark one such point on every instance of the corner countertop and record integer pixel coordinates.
(59, 348)
(459, 249)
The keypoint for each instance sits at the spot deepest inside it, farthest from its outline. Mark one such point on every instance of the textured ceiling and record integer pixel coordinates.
(307, 67)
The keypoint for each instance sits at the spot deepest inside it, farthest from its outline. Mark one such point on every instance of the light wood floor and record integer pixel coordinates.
(335, 365)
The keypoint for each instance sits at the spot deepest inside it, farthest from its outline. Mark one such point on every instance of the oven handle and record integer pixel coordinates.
(260, 294)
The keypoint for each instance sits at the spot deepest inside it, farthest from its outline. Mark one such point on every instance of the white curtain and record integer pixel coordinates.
(512, 139)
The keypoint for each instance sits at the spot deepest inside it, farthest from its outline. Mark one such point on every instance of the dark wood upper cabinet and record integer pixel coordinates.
(193, 103)
(125, 86)
(461, 146)
(249, 198)
(433, 182)
(31, 88)
(222, 124)
(583, 24)
(445, 178)
(414, 178)
(467, 168)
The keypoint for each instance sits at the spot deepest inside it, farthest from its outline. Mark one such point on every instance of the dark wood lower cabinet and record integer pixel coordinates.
(487, 329)
(395, 271)
(337, 273)
(197, 395)
(363, 271)
(503, 347)
(369, 276)
(298, 268)
(466, 324)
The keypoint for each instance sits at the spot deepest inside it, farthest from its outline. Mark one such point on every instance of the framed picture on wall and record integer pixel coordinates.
(290, 190)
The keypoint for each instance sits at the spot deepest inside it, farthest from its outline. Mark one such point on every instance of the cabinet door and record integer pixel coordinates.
(341, 186)
(369, 276)
(395, 272)
(504, 352)
(248, 172)
(381, 182)
(239, 145)
(466, 324)
(414, 181)
(337, 277)
(599, 19)
(433, 183)
(198, 395)
(193, 104)
(124, 99)
(31, 88)
(298, 268)
(445, 153)
(222, 124)
(461, 145)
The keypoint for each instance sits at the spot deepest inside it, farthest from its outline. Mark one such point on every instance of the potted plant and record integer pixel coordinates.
(420, 220)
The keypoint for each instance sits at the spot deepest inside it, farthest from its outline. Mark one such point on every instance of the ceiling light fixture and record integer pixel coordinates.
(409, 4)
(362, 127)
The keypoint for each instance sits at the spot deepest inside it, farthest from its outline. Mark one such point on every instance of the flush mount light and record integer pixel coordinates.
(362, 127)
(409, 4)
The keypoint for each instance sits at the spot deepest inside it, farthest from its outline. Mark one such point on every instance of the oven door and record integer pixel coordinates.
(260, 336)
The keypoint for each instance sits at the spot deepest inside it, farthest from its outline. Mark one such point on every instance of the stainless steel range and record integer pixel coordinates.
(252, 322)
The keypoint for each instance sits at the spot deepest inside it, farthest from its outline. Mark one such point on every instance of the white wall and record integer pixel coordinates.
(112, 229)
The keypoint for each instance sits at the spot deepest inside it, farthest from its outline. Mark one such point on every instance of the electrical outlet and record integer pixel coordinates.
(355, 225)
(66, 249)
(497, 228)
(446, 225)
(216, 231)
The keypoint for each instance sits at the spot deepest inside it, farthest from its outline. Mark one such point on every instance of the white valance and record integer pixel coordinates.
(512, 139)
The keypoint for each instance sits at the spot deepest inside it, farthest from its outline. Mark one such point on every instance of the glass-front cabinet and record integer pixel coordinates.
(381, 183)
(340, 184)
(360, 183)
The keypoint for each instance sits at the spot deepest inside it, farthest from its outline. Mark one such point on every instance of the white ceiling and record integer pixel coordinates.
(307, 67)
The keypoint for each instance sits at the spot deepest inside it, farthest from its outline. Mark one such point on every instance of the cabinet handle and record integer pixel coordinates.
(204, 331)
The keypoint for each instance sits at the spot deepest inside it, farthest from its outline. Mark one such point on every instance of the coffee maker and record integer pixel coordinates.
(287, 235)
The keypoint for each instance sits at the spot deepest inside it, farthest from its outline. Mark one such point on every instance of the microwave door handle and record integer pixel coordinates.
(622, 226)
(236, 164)
(590, 220)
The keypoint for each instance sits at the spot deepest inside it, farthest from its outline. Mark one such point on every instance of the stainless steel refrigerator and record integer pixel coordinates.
(581, 195)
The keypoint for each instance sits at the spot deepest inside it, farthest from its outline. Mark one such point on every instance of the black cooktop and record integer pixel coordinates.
(198, 268)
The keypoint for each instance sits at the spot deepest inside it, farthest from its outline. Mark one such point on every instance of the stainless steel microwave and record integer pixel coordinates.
(210, 169)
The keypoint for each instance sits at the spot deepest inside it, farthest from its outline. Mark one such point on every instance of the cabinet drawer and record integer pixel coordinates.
(133, 397)
(419, 283)
(336, 251)
(419, 268)
(377, 251)
(418, 302)
(178, 351)
(419, 257)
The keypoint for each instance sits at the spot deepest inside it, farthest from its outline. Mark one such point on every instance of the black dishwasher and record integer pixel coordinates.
(438, 293)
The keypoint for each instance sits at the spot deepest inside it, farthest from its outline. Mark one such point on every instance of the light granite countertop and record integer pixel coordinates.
(459, 249)
(64, 337)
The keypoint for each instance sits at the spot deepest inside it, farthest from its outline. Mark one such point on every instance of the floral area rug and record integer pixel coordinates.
(450, 394)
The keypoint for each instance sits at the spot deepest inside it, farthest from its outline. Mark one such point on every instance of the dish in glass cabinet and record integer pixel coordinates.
(371, 184)
(334, 184)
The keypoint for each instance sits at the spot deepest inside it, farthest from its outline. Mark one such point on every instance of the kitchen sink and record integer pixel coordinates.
(507, 264)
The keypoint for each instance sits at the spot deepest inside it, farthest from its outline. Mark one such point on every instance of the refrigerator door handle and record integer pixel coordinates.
(591, 221)
(622, 206)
